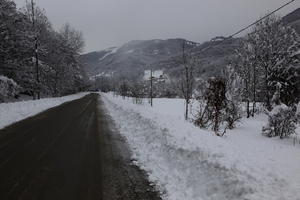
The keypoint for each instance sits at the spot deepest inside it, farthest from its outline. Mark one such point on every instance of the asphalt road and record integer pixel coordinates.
(71, 152)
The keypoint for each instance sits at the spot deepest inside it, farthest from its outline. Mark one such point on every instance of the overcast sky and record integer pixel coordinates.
(107, 23)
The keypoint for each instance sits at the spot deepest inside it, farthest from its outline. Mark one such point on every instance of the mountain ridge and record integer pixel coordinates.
(132, 59)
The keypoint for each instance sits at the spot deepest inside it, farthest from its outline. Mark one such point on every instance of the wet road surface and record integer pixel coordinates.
(71, 152)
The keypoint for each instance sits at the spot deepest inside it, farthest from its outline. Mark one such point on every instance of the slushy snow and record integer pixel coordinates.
(188, 163)
(14, 112)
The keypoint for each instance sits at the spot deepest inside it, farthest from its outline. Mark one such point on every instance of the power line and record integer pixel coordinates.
(252, 24)
(261, 19)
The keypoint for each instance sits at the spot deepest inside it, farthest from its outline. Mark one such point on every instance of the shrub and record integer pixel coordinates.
(215, 109)
(202, 119)
(233, 114)
(282, 122)
(8, 88)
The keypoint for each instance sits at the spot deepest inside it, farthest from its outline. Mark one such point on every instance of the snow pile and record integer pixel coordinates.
(189, 163)
(13, 112)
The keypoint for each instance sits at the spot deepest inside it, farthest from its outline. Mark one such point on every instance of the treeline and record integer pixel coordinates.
(262, 76)
(41, 60)
(159, 88)
(265, 71)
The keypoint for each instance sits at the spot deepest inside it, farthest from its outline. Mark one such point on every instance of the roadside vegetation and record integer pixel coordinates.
(263, 75)
(35, 59)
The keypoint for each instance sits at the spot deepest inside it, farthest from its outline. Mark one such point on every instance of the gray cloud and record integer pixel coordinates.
(107, 23)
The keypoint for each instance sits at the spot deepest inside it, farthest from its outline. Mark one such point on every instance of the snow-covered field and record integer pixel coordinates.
(13, 112)
(189, 163)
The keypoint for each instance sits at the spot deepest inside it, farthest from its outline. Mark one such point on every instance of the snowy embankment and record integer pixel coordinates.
(189, 163)
(14, 112)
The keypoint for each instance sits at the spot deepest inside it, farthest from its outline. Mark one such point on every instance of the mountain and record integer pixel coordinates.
(293, 19)
(133, 59)
(211, 56)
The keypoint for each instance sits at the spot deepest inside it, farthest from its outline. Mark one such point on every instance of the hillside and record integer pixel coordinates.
(134, 58)
(293, 19)
(131, 59)
(210, 62)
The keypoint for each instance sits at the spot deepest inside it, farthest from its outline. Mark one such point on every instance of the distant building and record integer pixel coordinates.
(157, 74)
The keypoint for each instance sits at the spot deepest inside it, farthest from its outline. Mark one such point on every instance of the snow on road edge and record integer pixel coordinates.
(189, 163)
(14, 112)
(184, 174)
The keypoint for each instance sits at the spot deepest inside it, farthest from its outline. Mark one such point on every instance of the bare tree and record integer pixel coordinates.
(187, 80)
(151, 88)
(243, 66)
(124, 89)
(137, 92)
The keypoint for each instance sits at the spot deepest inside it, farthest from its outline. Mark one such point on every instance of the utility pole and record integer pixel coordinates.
(35, 49)
(151, 88)
(184, 59)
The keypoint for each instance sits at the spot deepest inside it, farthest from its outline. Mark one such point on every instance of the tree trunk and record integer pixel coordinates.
(254, 91)
(186, 109)
(35, 50)
(268, 98)
(216, 126)
(187, 98)
(151, 88)
(248, 108)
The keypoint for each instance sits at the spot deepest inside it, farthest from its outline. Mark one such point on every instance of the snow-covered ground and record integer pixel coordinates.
(189, 163)
(13, 112)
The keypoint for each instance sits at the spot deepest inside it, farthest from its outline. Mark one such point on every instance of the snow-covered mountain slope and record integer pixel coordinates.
(131, 59)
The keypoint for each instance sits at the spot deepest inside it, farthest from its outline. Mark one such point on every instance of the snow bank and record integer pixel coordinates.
(189, 163)
(13, 112)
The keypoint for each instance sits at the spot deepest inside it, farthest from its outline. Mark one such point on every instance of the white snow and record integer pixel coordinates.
(189, 163)
(8, 87)
(130, 51)
(14, 112)
(156, 52)
(110, 51)
(5, 79)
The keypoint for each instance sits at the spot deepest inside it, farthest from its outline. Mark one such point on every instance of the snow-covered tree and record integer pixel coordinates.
(244, 64)
(59, 69)
(233, 96)
(274, 43)
(282, 119)
(265, 58)
(8, 88)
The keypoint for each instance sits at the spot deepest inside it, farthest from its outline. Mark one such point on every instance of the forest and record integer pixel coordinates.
(35, 59)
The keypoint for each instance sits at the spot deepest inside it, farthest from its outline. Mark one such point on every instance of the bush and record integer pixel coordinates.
(282, 122)
(202, 119)
(233, 114)
(215, 109)
(8, 88)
